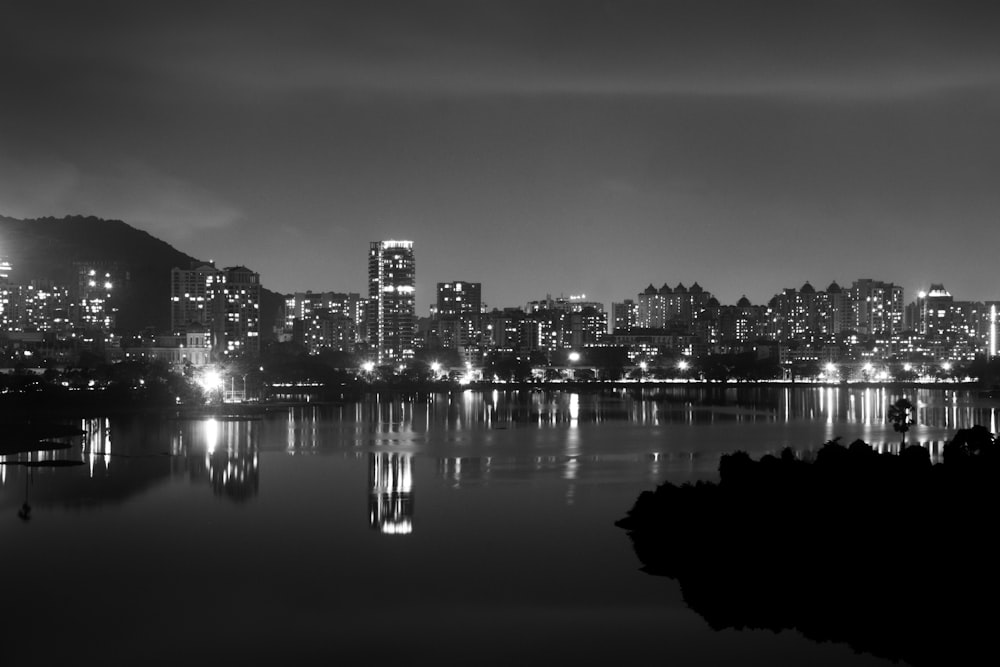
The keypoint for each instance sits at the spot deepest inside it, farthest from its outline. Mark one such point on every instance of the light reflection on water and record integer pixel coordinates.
(538, 472)
(478, 438)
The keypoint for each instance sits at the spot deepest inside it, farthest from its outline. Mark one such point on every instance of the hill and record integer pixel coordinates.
(46, 248)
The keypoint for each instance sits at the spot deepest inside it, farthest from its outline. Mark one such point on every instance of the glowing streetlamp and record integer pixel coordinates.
(436, 369)
(211, 381)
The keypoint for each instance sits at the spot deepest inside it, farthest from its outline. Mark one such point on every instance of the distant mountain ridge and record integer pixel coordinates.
(46, 248)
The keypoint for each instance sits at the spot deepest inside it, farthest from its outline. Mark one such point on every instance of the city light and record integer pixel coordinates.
(864, 328)
(210, 380)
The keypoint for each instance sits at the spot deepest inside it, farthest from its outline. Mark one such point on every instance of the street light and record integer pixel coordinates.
(573, 357)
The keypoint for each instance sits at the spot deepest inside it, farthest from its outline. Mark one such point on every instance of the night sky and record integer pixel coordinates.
(536, 147)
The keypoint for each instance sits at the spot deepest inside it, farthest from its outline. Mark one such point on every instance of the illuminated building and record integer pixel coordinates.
(993, 330)
(624, 316)
(390, 494)
(795, 315)
(98, 283)
(651, 343)
(877, 308)
(225, 301)
(236, 318)
(458, 314)
(937, 312)
(566, 304)
(391, 307)
(586, 327)
(740, 323)
(505, 330)
(652, 307)
(671, 306)
(39, 306)
(563, 322)
(192, 348)
(953, 330)
(833, 311)
(191, 293)
(324, 320)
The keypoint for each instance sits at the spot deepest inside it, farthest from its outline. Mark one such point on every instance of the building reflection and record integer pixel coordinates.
(390, 497)
(462, 470)
(223, 453)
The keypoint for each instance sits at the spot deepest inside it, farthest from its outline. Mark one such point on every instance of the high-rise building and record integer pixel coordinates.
(877, 308)
(323, 320)
(458, 314)
(41, 305)
(236, 320)
(625, 316)
(391, 305)
(670, 306)
(224, 301)
(190, 296)
(99, 286)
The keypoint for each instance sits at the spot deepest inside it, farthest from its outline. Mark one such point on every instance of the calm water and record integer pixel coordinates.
(474, 528)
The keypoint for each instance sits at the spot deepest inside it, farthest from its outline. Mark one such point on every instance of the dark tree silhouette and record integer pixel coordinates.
(901, 416)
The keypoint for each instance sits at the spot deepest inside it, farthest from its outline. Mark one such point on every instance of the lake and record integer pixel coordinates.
(462, 528)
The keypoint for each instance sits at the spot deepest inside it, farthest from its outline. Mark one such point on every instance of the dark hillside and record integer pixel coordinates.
(47, 248)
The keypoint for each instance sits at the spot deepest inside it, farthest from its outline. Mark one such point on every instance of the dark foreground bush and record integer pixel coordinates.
(887, 553)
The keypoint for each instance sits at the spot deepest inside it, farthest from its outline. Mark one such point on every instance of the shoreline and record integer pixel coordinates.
(93, 403)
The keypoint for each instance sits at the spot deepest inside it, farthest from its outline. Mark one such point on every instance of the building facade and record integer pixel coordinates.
(226, 302)
(391, 306)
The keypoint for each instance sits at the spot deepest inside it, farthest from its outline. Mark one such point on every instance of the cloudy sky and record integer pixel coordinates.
(536, 147)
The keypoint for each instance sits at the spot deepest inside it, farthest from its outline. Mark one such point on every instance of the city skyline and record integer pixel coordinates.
(538, 148)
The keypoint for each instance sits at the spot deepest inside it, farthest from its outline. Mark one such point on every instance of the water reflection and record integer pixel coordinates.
(577, 437)
(121, 458)
(390, 497)
(223, 453)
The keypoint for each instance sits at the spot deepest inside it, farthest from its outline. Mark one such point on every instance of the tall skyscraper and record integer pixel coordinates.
(391, 305)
